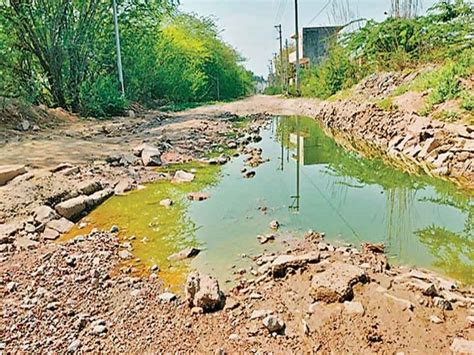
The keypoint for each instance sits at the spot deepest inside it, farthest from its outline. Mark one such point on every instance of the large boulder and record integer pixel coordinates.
(61, 225)
(9, 172)
(335, 283)
(151, 156)
(98, 198)
(73, 207)
(203, 291)
(283, 262)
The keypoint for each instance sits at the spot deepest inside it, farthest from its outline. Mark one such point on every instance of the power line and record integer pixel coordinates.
(319, 13)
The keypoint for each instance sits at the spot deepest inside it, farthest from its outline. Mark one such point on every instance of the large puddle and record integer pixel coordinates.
(310, 182)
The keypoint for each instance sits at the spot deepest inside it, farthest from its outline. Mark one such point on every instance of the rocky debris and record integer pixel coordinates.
(274, 324)
(50, 234)
(462, 346)
(203, 291)
(282, 263)
(184, 254)
(123, 186)
(439, 148)
(125, 255)
(197, 196)
(151, 156)
(442, 303)
(182, 177)
(167, 297)
(435, 319)
(9, 172)
(335, 283)
(166, 202)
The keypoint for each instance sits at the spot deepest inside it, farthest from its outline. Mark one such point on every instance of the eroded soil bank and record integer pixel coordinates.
(80, 296)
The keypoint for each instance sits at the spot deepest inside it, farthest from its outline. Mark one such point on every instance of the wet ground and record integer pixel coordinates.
(309, 182)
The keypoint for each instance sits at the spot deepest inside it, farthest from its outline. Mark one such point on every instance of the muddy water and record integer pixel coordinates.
(423, 221)
(310, 182)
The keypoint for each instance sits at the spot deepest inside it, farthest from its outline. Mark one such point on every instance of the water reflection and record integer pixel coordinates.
(410, 200)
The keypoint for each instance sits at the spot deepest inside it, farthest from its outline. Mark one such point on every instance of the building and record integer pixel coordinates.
(314, 43)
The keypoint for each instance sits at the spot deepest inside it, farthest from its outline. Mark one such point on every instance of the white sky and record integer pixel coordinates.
(248, 25)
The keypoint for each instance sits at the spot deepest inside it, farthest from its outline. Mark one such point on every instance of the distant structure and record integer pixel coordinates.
(314, 44)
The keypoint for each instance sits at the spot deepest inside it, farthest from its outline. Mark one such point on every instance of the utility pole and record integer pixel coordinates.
(287, 66)
(117, 43)
(297, 39)
(282, 79)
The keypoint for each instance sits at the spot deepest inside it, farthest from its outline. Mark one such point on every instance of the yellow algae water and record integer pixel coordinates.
(158, 231)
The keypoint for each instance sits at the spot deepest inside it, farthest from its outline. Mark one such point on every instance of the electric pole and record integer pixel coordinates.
(117, 43)
(287, 66)
(297, 39)
(282, 80)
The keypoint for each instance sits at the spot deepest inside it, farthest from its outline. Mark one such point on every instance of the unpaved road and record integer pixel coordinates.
(86, 141)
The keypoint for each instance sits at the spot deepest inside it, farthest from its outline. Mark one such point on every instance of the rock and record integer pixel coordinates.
(198, 196)
(98, 198)
(72, 208)
(435, 319)
(125, 254)
(50, 234)
(283, 262)
(123, 186)
(428, 289)
(249, 174)
(354, 308)
(182, 177)
(197, 310)
(203, 291)
(166, 202)
(260, 313)
(335, 283)
(470, 320)
(442, 303)
(167, 297)
(234, 337)
(61, 225)
(462, 346)
(151, 156)
(154, 268)
(44, 214)
(12, 286)
(231, 304)
(8, 172)
(74, 346)
(263, 239)
(273, 324)
(406, 305)
(89, 187)
(114, 229)
(25, 243)
(274, 225)
(25, 125)
(430, 145)
(184, 254)
(99, 329)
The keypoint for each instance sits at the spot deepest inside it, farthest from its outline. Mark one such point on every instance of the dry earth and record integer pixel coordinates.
(76, 296)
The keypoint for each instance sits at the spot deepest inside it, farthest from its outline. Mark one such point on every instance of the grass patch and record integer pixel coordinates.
(386, 104)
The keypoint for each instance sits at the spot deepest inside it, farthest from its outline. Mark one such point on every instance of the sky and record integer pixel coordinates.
(248, 25)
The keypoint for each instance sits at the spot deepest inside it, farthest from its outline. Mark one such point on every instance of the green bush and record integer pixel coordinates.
(102, 97)
(273, 90)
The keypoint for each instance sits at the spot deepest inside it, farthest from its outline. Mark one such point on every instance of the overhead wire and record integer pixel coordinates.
(320, 12)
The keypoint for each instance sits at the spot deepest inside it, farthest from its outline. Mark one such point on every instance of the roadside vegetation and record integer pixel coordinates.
(442, 39)
(62, 53)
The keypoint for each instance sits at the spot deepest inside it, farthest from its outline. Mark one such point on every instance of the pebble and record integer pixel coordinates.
(274, 224)
(167, 297)
(234, 337)
(435, 319)
(273, 324)
(12, 286)
(114, 229)
(74, 346)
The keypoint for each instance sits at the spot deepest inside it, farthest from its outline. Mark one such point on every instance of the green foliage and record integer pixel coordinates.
(386, 104)
(443, 35)
(62, 53)
(273, 90)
